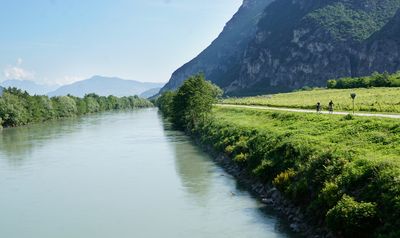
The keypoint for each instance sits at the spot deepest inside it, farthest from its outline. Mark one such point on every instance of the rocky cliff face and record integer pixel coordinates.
(316, 42)
(220, 60)
(381, 52)
(304, 43)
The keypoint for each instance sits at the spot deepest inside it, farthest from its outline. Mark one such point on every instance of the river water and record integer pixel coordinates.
(120, 175)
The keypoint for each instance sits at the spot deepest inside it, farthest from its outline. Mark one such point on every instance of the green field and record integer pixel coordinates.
(362, 137)
(367, 100)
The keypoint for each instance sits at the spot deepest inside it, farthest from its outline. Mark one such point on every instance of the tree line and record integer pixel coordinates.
(18, 108)
(375, 80)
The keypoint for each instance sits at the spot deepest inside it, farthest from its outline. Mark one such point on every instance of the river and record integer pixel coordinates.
(120, 175)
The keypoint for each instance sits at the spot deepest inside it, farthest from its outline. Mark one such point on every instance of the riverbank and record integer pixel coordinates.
(318, 170)
(90, 176)
(18, 108)
(342, 171)
(268, 194)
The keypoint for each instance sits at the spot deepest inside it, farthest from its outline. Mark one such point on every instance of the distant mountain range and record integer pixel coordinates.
(274, 46)
(29, 86)
(150, 93)
(100, 85)
(105, 86)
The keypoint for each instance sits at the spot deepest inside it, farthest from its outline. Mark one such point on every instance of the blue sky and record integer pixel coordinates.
(61, 41)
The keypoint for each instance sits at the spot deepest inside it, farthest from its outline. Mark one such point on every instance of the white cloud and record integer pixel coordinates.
(17, 72)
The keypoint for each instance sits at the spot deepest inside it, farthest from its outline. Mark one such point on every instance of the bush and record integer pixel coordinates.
(350, 218)
(283, 180)
(375, 80)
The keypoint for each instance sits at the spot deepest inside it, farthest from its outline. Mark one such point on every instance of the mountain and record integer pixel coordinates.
(300, 43)
(105, 86)
(29, 86)
(220, 60)
(150, 93)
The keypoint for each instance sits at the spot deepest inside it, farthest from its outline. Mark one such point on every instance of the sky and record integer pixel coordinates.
(63, 41)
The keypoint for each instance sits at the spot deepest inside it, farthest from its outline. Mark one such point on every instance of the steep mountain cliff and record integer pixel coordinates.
(220, 60)
(304, 43)
(300, 43)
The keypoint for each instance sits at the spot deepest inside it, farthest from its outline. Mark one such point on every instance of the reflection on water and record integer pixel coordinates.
(124, 174)
(16, 144)
(192, 165)
(210, 186)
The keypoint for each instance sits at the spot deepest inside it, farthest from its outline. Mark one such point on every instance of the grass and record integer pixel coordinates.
(362, 137)
(343, 171)
(384, 100)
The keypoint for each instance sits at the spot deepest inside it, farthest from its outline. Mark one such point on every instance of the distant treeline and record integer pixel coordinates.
(18, 108)
(375, 80)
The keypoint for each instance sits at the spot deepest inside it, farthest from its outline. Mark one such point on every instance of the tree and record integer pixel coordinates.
(193, 101)
(65, 106)
(165, 103)
(12, 110)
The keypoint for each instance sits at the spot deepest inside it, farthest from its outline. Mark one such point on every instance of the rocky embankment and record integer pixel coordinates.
(270, 196)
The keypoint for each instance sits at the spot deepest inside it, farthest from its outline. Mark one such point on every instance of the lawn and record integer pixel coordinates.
(360, 136)
(385, 100)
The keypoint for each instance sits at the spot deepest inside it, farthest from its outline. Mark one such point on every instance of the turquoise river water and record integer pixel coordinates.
(120, 175)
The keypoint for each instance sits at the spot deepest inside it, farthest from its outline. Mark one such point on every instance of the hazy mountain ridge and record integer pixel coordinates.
(105, 86)
(100, 85)
(30, 86)
(150, 93)
(298, 43)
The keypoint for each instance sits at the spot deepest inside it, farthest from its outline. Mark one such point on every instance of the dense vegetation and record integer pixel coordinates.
(344, 172)
(191, 104)
(17, 107)
(375, 80)
(370, 100)
(356, 20)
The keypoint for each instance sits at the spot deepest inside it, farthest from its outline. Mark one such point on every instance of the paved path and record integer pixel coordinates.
(396, 116)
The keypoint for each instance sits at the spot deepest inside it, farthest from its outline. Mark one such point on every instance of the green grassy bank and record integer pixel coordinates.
(368, 99)
(19, 108)
(343, 171)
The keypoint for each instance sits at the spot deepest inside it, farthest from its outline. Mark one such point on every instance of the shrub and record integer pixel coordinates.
(351, 218)
(375, 80)
(283, 180)
(241, 158)
(348, 117)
